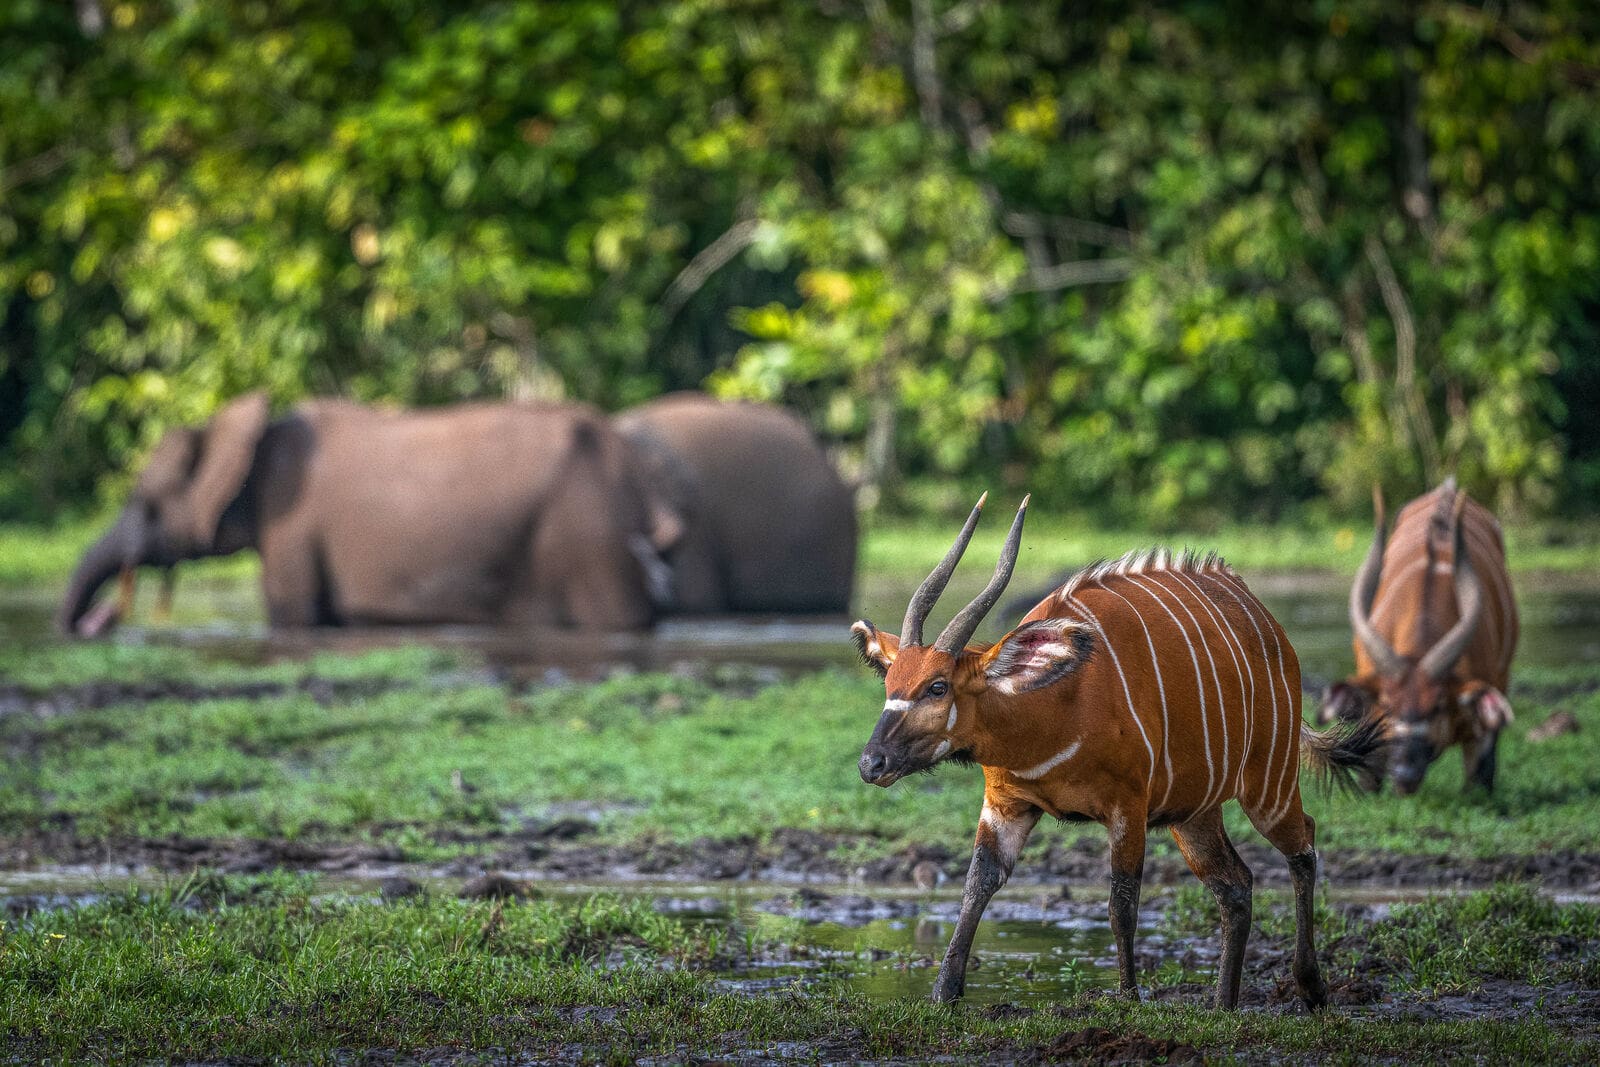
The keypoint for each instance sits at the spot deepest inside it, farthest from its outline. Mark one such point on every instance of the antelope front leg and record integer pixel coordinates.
(1001, 835)
(1127, 831)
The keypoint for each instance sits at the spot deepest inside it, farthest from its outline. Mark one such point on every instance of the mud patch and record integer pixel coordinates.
(1096, 1044)
(557, 851)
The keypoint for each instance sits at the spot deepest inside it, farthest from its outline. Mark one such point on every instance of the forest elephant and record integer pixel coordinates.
(768, 524)
(474, 513)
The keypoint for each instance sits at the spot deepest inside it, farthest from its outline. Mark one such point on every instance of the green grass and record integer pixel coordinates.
(1511, 932)
(45, 555)
(662, 758)
(47, 666)
(905, 549)
(267, 968)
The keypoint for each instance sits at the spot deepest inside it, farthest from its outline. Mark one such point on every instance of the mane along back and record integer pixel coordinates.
(1153, 560)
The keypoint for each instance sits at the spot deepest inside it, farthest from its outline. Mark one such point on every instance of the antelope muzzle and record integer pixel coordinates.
(885, 760)
(1411, 751)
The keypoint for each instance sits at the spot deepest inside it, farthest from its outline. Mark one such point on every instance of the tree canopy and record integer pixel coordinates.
(1154, 258)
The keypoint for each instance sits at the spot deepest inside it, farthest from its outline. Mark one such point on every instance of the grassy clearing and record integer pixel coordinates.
(903, 550)
(661, 757)
(45, 555)
(50, 666)
(268, 969)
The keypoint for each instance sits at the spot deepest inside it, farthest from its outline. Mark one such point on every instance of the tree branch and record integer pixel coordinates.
(710, 259)
(1405, 356)
(1069, 276)
(925, 64)
(34, 168)
(1025, 225)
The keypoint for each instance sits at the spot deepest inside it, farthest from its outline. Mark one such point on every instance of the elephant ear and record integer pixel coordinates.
(227, 451)
(167, 471)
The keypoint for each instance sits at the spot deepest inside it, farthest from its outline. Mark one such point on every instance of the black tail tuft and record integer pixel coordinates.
(1347, 757)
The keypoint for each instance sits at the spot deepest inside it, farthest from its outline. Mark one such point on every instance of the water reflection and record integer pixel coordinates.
(1560, 617)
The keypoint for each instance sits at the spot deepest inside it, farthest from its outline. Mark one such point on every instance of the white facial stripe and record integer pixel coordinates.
(950, 724)
(898, 705)
(939, 753)
(1050, 764)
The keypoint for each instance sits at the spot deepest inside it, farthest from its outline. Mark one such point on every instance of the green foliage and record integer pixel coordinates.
(1205, 259)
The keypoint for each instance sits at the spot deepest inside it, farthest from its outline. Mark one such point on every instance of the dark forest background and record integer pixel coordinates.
(1157, 260)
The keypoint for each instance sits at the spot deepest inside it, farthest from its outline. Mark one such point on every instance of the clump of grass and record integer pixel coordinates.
(1511, 931)
(51, 666)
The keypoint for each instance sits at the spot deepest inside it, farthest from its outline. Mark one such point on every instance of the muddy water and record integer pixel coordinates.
(1560, 625)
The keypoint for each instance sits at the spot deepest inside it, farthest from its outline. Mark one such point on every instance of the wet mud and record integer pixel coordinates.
(566, 850)
(93, 696)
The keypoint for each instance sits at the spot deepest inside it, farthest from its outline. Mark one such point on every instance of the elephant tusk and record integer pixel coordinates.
(169, 582)
(126, 582)
(657, 572)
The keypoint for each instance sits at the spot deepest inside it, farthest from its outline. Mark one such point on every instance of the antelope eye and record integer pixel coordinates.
(938, 687)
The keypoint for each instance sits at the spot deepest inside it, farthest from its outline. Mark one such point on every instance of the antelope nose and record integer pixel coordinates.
(873, 764)
(1406, 780)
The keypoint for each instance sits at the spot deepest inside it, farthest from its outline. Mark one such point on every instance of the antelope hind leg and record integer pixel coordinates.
(1211, 856)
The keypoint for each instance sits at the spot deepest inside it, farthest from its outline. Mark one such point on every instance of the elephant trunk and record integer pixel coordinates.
(108, 556)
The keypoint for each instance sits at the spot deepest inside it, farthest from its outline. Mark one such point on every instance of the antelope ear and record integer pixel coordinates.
(1491, 705)
(877, 649)
(1036, 654)
(1344, 701)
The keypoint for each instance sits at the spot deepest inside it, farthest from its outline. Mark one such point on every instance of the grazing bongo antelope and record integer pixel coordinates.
(1144, 692)
(1435, 627)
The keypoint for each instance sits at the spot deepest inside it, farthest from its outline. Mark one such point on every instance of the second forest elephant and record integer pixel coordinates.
(768, 524)
(476, 513)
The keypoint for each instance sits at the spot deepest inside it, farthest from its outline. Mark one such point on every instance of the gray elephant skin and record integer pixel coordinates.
(475, 513)
(768, 524)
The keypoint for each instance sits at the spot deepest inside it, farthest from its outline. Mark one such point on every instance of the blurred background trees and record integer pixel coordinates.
(1163, 261)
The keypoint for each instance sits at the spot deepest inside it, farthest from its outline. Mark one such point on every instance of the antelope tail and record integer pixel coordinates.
(1346, 756)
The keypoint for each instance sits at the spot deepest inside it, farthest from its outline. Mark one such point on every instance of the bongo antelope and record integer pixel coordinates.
(1435, 626)
(1144, 692)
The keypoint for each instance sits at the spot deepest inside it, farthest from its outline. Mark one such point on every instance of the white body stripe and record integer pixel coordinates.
(1291, 714)
(1229, 640)
(1216, 679)
(1042, 769)
(1161, 690)
(1200, 689)
(1127, 693)
(1266, 662)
